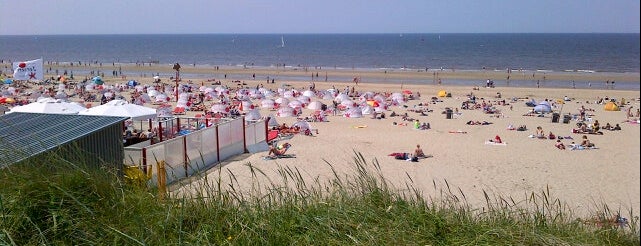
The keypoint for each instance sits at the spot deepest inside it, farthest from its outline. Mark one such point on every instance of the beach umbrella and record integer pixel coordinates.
(8, 81)
(122, 108)
(49, 105)
(442, 93)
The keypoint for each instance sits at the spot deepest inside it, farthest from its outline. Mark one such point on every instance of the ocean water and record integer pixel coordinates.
(592, 53)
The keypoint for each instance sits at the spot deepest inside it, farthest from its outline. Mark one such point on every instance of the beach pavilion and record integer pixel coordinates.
(97, 141)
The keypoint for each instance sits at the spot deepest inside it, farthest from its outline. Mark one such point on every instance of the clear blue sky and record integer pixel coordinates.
(18, 17)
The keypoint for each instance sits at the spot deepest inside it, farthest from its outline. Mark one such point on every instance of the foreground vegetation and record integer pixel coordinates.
(54, 201)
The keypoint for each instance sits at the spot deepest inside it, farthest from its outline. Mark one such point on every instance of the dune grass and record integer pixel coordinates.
(53, 201)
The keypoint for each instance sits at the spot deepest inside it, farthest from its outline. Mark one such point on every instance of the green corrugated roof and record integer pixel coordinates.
(26, 134)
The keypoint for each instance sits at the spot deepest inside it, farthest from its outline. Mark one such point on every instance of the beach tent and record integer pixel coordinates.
(442, 93)
(268, 103)
(288, 94)
(304, 99)
(304, 125)
(611, 106)
(252, 115)
(47, 105)
(309, 94)
(296, 104)
(272, 121)
(219, 108)
(97, 80)
(353, 113)
(543, 107)
(315, 105)
(122, 108)
(282, 101)
(285, 111)
(366, 109)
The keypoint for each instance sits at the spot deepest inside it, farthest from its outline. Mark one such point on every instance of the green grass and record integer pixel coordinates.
(52, 201)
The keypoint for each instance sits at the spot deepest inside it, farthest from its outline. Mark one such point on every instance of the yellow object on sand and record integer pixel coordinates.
(361, 126)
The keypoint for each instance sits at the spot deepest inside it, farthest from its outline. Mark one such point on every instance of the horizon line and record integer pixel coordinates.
(319, 33)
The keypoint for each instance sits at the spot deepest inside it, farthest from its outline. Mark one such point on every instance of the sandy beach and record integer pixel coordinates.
(584, 179)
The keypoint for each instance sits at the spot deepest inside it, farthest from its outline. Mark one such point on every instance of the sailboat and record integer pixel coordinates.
(282, 42)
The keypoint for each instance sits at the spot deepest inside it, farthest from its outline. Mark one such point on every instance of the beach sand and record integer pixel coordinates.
(584, 179)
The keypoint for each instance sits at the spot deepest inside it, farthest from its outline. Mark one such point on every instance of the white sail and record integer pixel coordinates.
(282, 41)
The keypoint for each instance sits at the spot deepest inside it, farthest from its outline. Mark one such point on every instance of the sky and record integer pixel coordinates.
(45, 17)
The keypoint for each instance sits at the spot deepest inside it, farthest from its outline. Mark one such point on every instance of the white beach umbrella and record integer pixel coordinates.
(122, 108)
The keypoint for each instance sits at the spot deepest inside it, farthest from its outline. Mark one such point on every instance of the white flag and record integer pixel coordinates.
(28, 70)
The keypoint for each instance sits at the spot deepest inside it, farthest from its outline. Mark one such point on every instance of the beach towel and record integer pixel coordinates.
(579, 147)
(279, 157)
(459, 131)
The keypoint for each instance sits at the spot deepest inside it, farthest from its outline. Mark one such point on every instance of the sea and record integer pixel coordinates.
(519, 52)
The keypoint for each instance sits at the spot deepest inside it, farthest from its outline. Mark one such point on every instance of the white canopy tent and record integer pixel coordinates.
(49, 105)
